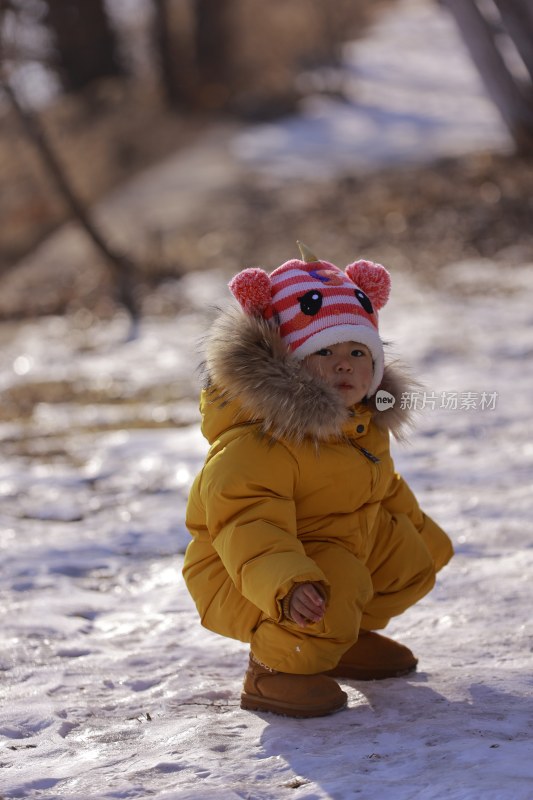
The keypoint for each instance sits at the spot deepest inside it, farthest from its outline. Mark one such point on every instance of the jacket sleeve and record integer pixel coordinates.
(401, 500)
(248, 492)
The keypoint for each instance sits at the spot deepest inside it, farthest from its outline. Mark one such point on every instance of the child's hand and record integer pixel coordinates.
(306, 605)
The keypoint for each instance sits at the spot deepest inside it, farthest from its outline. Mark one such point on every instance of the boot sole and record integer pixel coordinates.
(253, 703)
(369, 675)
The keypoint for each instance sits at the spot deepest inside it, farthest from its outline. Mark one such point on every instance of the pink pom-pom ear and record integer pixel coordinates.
(373, 279)
(252, 289)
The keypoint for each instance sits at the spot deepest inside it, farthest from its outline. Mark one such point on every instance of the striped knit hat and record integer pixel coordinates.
(315, 304)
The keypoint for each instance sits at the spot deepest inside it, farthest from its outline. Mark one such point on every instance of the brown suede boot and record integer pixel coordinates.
(374, 657)
(266, 689)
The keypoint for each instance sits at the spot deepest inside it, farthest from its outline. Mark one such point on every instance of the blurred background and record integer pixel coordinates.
(149, 150)
(161, 137)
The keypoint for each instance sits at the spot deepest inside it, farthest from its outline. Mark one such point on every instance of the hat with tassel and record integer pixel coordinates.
(315, 304)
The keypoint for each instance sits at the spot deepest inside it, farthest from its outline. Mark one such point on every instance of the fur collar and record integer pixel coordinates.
(247, 362)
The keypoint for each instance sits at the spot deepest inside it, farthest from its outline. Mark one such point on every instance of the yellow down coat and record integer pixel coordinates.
(297, 488)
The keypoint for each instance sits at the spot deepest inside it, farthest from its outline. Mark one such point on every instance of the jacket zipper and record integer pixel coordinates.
(376, 470)
(371, 457)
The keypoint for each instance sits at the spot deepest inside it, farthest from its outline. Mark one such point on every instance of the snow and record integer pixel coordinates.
(411, 94)
(110, 687)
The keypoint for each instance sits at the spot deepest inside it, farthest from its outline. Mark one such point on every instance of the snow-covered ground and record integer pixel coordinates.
(111, 689)
(411, 94)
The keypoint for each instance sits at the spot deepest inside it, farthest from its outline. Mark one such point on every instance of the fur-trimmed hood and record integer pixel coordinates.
(248, 366)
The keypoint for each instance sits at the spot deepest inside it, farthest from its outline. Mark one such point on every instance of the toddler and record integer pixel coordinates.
(305, 541)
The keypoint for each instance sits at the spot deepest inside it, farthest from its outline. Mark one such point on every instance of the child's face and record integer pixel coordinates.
(347, 367)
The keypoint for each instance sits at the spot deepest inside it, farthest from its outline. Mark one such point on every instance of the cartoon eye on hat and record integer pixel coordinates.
(365, 301)
(311, 302)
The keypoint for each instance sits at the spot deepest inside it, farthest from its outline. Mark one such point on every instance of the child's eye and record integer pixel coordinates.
(358, 353)
(324, 352)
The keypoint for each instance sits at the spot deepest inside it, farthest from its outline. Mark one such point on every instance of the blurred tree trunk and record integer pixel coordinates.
(482, 33)
(175, 52)
(193, 41)
(164, 47)
(122, 268)
(84, 41)
(517, 16)
(213, 46)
